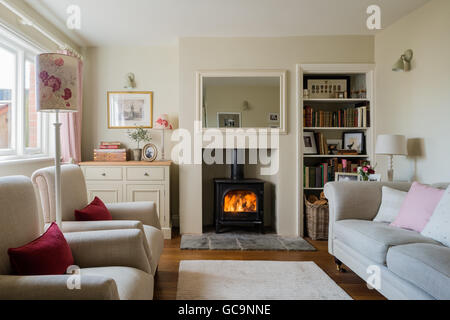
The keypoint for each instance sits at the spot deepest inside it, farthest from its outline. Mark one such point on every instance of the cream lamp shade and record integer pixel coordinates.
(58, 82)
(391, 144)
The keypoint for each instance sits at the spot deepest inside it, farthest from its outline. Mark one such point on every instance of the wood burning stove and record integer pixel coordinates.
(239, 201)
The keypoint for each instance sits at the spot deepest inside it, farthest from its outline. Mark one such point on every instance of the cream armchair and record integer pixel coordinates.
(114, 264)
(126, 215)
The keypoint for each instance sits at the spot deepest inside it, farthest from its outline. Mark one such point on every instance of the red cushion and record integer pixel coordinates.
(49, 254)
(95, 211)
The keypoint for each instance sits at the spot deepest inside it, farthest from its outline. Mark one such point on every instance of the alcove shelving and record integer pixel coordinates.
(360, 77)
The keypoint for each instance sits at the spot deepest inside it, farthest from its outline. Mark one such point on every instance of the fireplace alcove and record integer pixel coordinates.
(240, 180)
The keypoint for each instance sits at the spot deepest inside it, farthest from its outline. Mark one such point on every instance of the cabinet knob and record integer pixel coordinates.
(104, 174)
(146, 174)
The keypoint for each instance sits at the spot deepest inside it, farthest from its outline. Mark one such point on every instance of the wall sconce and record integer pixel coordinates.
(245, 105)
(404, 63)
(130, 82)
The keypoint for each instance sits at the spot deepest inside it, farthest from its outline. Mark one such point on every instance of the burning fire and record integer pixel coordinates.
(240, 201)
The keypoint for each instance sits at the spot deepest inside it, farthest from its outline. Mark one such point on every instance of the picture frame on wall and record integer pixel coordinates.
(130, 109)
(346, 177)
(309, 143)
(354, 141)
(327, 87)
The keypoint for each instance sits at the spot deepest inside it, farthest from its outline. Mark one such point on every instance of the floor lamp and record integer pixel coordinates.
(58, 78)
(163, 124)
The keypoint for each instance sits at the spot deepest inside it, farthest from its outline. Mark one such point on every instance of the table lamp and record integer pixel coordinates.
(391, 145)
(58, 87)
(162, 123)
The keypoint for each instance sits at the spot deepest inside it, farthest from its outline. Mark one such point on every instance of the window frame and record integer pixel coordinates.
(24, 52)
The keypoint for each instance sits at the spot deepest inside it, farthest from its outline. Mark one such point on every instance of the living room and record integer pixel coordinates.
(224, 150)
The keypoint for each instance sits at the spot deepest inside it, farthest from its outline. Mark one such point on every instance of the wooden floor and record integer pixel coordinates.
(167, 275)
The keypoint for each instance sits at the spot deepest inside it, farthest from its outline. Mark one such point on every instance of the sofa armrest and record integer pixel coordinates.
(109, 248)
(55, 288)
(82, 226)
(142, 211)
(355, 200)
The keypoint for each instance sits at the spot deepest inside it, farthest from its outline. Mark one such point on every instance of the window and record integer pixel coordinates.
(23, 131)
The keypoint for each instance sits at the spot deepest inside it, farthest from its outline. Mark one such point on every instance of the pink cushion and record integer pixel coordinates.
(95, 211)
(418, 207)
(49, 254)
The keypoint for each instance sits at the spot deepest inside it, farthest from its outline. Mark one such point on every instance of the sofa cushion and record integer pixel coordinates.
(418, 207)
(95, 211)
(439, 226)
(425, 265)
(391, 203)
(49, 254)
(373, 239)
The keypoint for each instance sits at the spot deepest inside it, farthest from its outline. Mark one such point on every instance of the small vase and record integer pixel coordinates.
(136, 154)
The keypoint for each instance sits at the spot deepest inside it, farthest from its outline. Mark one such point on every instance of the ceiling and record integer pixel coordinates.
(162, 22)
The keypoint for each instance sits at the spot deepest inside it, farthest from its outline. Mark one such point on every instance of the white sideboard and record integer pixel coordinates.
(132, 181)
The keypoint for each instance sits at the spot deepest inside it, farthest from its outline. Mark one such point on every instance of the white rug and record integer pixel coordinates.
(255, 280)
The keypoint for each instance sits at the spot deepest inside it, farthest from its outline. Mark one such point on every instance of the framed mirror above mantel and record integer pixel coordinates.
(241, 99)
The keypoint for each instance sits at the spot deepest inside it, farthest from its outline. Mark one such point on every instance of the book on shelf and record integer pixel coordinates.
(319, 175)
(110, 150)
(351, 117)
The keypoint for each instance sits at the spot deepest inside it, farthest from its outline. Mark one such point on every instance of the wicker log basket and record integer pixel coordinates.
(317, 216)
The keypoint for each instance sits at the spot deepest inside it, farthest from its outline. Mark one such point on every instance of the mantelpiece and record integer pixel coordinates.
(132, 181)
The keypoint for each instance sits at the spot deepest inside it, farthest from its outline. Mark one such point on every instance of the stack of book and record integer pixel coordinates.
(110, 151)
(353, 117)
(318, 176)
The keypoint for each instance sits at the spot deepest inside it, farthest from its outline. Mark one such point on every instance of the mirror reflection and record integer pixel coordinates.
(241, 102)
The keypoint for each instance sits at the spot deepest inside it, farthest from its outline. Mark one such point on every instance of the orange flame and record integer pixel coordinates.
(240, 201)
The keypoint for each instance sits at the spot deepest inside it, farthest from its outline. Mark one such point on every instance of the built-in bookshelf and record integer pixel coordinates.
(329, 119)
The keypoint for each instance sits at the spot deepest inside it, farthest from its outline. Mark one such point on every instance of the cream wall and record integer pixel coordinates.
(417, 103)
(156, 69)
(257, 53)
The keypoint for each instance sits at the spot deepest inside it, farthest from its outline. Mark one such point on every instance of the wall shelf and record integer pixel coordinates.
(362, 76)
(335, 156)
(336, 128)
(336, 100)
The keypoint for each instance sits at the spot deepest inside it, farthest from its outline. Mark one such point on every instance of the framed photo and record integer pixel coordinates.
(345, 176)
(229, 119)
(150, 152)
(274, 117)
(128, 110)
(354, 141)
(309, 143)
(327, 87)
(334, 145)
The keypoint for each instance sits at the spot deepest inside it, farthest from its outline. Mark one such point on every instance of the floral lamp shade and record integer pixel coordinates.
(58, 82)
(163, 123)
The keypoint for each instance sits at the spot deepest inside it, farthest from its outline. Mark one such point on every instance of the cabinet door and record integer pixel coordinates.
(147, 192)
(108, 193)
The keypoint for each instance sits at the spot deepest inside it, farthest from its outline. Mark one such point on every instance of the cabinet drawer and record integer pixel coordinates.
(103, 173)
(145, 173)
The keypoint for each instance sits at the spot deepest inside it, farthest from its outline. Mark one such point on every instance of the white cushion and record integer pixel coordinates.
(391, 203)
(438, 228)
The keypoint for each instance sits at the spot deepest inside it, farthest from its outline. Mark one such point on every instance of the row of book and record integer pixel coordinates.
(318, 176)
(110, 152)
(351, 117)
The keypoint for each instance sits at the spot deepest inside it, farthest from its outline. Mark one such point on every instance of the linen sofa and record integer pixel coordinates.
(114, 264)
(126, 215)
(411, 265)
